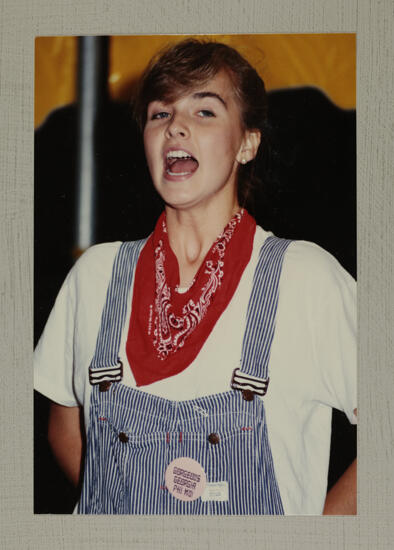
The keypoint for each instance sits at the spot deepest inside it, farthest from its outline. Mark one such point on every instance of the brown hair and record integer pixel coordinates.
(191, 62)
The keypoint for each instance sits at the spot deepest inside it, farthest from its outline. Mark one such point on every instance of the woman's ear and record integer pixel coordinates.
(249, 146)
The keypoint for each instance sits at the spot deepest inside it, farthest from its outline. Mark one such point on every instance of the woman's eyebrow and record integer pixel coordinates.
(201, 95)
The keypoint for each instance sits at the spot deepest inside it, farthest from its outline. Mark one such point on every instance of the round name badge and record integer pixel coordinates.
(185, 478)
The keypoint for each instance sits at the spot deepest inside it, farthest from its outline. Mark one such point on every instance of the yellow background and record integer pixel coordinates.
(327, 61)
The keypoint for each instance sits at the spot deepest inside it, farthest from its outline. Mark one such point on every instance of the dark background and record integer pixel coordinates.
(308, 192)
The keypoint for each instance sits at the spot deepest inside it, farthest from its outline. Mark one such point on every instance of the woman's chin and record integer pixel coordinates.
(180, 203)
(177, 197)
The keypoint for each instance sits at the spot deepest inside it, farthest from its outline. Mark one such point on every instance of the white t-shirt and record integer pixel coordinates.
(312, 366)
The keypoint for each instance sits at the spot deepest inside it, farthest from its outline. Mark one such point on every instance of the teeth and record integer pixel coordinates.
(177, 173)
(178, 154)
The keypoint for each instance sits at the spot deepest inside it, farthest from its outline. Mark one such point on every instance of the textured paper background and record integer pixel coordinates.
(373, 21)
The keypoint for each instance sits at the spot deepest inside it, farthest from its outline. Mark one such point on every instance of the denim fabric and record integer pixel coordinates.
(134, 435)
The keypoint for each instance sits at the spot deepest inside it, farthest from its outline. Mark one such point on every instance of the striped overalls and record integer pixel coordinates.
(133, 436)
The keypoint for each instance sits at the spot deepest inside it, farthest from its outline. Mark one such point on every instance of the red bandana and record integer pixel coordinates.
(168, 328)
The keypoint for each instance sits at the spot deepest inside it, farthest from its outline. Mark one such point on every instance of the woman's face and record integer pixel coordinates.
(193, 145)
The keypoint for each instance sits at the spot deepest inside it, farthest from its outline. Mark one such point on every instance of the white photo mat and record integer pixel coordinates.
(373, 22)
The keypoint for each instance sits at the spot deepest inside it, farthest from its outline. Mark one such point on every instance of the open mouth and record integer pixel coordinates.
(180, 163)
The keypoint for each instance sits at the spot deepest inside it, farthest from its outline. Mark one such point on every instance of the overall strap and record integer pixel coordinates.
(105, 365)
(252, 376)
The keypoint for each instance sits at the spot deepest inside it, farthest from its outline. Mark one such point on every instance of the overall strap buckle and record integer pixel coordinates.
(249, 385)
(104, 376)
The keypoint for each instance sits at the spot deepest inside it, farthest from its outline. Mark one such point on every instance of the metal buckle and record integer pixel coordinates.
(106, 375)
(249, 385)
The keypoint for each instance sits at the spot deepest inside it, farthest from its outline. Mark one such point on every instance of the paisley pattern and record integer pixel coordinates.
(172, 329)
(168, 325)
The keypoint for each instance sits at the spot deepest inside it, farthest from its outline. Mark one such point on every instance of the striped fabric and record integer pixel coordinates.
(133, 435)
(114, 312)
(261, 314)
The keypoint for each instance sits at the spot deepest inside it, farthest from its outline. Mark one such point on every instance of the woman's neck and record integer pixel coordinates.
(192, 233)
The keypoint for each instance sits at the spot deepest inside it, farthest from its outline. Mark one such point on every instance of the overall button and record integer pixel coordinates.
(248, 395)
(123, 437)
(104, 386)
(213, 439)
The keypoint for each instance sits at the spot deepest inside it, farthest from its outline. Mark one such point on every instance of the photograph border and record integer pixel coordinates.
(373, 22)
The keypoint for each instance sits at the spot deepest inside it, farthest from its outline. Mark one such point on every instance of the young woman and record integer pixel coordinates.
(207, 357)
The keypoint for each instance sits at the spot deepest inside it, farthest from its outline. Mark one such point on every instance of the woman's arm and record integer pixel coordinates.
(65, 439)
(341, 500)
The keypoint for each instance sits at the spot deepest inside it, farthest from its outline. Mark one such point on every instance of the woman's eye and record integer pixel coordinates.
(158, 116)
(205, 113)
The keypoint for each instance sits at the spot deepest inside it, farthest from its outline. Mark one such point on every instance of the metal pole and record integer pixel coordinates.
(91, 64)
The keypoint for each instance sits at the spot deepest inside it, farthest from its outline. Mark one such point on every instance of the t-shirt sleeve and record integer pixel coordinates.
(67, 344)
(334, 341)
(53, 356)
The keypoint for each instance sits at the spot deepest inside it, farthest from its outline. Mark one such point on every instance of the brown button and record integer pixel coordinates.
(123, 437)
(104, 386)
(248, 395)
(213, 439)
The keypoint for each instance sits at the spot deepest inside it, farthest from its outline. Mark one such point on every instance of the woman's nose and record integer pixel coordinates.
(177, 127)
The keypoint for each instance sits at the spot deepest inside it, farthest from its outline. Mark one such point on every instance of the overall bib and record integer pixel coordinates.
(133, 436)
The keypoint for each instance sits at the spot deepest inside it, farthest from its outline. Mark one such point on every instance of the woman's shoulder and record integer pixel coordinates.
(316, 263)
(96, 263)
(307, 263)
(99, 252)
(313, 272)
(96, 259)
(309, 256)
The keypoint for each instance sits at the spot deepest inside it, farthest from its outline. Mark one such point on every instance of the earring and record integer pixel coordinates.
(243, 161)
